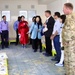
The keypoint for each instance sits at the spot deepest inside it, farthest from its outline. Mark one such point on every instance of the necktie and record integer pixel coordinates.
(46, 21)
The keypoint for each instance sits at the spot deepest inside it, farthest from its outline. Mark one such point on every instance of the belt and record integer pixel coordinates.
(4, 30)
(57, 35)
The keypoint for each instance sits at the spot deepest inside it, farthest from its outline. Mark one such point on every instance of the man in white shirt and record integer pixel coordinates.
(56, 36)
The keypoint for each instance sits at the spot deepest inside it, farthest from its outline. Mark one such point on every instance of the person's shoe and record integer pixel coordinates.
(53, 59)
(16, 44)
(23, 46)
(40, 51)
(6, 47)
(35, 50)
(50, 54)
(46, 54)
(2, 47)
(58, 64)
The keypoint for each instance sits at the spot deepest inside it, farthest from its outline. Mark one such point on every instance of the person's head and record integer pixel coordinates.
(4, 17)
(22, 18)
(62, 18)
(47, 13)
(68, 8)
(19, 18)
(56, 15)
(38, 20)
(33, 19)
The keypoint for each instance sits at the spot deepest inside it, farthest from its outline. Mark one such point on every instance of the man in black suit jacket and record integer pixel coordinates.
(49, 24)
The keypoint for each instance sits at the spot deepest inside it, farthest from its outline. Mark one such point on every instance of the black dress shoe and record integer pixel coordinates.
(50, 54)
(40, 51)
(35, 50)
(46, 54)
(2, 47)
(6, 47)
(54, 59)
(16, 44)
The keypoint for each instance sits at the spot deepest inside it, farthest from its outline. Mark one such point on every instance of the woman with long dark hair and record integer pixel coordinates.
(35, 31)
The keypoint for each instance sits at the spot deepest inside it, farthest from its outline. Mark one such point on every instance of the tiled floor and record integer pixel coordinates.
(23, 61)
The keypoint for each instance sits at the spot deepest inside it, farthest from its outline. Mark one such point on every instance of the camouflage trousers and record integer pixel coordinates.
(69, 50)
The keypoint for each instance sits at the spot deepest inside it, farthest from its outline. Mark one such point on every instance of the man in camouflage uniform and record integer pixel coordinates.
(68, 36)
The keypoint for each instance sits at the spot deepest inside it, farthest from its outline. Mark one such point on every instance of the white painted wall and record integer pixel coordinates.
(57, 5)
(25, 5)
(73, 2)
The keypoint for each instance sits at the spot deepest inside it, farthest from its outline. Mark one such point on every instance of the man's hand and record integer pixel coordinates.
(19, 36)
(27, 33)
(45, 25)
(52, 37)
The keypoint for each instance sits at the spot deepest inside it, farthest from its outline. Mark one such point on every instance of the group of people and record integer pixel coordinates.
(53, 29)
(21, 28)
(61, 29)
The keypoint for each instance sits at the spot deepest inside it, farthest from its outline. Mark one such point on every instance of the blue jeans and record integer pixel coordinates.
(57, 47)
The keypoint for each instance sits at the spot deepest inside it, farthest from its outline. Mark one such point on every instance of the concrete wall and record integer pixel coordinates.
(12, 6)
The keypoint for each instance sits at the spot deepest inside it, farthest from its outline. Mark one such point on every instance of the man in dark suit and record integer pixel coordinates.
(49, 24)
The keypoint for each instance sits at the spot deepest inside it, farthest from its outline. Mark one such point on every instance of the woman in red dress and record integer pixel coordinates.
(22, 30)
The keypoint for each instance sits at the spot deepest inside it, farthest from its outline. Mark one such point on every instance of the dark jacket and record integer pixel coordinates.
(50, 25)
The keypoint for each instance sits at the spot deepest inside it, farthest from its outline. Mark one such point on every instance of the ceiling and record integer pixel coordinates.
(45, 1)
(39, 1)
